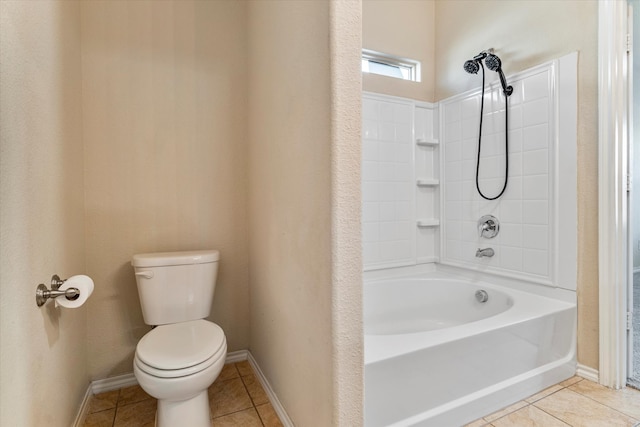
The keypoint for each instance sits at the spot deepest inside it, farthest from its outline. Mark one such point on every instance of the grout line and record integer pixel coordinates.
(251, 397)
(508, 413)
(559, 419)
(115, 413)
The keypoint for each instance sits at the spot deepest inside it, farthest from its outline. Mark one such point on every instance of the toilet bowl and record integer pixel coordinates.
(176, 364)
(181, 357)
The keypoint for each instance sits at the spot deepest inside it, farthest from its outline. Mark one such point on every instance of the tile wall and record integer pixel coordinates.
(523, 245)
(420, 202)
(388, 210)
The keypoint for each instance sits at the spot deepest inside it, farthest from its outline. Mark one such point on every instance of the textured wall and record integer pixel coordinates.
(43, 350)
(290, 204)
(347, 328)
(164, 103)
(526, 33)
(404, 28)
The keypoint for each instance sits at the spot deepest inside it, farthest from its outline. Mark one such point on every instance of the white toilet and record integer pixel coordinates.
(181, 357)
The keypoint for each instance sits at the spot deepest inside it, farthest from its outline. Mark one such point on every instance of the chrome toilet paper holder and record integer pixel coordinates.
(43, 294)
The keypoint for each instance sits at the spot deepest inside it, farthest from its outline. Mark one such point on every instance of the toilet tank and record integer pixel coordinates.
(176, 287)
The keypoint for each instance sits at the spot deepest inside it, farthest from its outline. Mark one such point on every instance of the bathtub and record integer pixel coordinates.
(437, 356)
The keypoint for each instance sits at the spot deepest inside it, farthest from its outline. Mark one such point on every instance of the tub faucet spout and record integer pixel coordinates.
(487, 252)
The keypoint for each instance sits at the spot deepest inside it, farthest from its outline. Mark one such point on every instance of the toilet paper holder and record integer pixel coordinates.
(43, 294)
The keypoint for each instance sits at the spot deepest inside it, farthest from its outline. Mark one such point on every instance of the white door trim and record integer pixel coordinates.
(612, 204)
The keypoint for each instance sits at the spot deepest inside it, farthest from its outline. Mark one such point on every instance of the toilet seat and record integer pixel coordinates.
(180, 349)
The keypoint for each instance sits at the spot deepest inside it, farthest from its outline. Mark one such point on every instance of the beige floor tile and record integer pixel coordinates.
(100, 419)
(246, 418)
(268, 415)
(133, 394)
(228, 396)
(509, 409)
(626, 400)
(529, 416)
(478, 423)
(580, 411)
(136, 414)
(244, 368)
(228, 372)
(103, 401)
(258, 396)
(544, 393)
(571, 381)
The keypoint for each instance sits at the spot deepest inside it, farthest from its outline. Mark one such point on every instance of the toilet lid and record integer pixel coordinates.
(180, 345)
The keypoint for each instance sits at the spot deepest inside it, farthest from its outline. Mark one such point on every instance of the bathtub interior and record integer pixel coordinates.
(388, 311)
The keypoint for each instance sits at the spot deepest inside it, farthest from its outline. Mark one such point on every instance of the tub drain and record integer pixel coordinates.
(482, 295)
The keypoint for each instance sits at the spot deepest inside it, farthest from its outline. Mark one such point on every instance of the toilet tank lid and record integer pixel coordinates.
(161, 259)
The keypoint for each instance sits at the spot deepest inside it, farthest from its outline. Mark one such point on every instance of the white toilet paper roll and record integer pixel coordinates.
(83, 283)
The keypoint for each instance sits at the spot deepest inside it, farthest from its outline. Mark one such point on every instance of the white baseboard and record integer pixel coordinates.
(587, 373)
(277, 406)
(84, 408)
(236, 356)
(126, 380)
(113, 383)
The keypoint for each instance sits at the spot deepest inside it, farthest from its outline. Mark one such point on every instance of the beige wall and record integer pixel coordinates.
(526, 33)
(164, 103)
(290, 204)
(43, 374)
(404, 28)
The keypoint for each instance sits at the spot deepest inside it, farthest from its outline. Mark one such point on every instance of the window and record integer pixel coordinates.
(390, 66)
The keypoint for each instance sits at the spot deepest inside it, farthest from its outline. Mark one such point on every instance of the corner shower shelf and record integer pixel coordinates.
(428, 182)
(427, 142)
(428, 222)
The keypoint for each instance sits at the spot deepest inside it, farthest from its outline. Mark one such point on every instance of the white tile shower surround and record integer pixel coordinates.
(524, 210)
(387, 183)
(529, 245)
(420, 202)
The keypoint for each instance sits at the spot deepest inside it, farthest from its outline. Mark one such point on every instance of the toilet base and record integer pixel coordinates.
(192, 412)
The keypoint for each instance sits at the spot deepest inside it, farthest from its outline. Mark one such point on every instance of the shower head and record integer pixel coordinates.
(494, 64)
(472, 66)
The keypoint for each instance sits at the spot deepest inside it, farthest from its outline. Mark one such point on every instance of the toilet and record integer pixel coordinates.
(181, 357)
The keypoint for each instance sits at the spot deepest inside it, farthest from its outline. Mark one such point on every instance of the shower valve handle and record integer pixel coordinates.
(488, 226)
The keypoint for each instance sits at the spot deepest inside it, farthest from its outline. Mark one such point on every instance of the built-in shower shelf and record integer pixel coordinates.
(427, 182)
(428, 222)
(427, 142)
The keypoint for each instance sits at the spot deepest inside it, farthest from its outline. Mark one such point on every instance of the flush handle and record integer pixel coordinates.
(145, 274)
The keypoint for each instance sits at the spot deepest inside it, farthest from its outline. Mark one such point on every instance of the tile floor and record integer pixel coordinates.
(236, 398)
(575, 402)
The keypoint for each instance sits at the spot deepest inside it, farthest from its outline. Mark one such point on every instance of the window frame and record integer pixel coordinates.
(411, 65)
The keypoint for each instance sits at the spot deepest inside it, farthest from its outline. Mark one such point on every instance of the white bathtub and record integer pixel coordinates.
(436, 356)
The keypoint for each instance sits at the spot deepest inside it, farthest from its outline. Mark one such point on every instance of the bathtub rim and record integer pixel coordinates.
(474, 276)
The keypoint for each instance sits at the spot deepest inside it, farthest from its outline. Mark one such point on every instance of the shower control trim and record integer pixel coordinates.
(488, 226)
